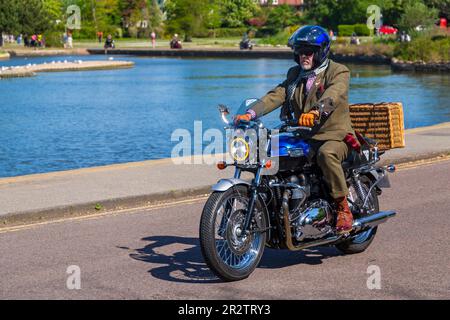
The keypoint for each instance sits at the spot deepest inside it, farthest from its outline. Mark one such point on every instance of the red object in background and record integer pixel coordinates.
(388, 30)
(443, 23)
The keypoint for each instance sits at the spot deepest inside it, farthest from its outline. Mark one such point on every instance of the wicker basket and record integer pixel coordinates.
(382, 122)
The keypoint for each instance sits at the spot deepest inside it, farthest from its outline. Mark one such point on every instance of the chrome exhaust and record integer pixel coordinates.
(372, 220)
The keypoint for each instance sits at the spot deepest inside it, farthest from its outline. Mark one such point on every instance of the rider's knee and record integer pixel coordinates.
(326, 156)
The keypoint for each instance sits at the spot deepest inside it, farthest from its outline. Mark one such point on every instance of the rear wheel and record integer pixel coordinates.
(228, 251)
(362, 240)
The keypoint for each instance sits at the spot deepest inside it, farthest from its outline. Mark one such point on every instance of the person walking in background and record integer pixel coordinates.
(153, 36)
(332, 36)
(408, 38)
(175, 43)
(39, 40)
(34, 40)
(69, 40)
(109, 43)
(100, 36)
(64, 39)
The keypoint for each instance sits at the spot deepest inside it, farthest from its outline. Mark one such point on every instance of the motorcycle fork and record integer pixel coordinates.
(251, 203)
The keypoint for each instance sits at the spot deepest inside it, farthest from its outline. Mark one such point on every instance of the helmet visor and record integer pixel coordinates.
(306, 50)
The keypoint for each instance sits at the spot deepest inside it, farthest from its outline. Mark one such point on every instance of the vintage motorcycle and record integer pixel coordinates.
(289, 208)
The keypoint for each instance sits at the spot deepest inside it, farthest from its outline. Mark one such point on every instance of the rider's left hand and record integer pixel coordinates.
(308, 119)
(244, 117)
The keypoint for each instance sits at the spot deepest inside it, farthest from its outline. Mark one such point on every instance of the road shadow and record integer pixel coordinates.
(187, 265)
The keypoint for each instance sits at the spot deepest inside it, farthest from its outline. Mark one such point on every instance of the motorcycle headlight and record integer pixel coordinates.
(239, 149)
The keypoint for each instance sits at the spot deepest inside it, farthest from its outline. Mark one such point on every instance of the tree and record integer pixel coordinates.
(417, 14)
(282, 16)
(8, 17)
(156, 17)
(442, 5)
(331, 13)
(53, 12)
(107, 14)
(134, 13)
(189, 17)
(33, 17)
(236, 12)
(214, 19)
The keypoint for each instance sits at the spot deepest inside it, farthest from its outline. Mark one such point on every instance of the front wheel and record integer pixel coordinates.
(228, 251)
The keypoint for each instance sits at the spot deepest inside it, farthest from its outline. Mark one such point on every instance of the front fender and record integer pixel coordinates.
(225, 184)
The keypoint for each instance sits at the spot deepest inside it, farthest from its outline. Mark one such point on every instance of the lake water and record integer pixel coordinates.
(61, 121)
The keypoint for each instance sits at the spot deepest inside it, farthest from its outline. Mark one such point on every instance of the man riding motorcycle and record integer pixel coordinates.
(316, 89)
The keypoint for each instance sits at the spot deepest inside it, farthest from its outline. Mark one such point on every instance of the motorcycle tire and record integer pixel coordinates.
(208, 242)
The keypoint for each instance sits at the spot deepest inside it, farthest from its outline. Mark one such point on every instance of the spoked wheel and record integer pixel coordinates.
(361, 241)
(229, 252)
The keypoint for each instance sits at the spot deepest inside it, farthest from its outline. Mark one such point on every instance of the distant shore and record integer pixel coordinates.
(4, 56)
(25, 52)
(231, 52)
(31, 70)
(260, 52)
(399, 65)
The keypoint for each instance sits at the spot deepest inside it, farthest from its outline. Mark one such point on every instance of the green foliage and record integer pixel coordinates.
(228, 32)
(345, 30)
(53, 10)
(138, 18)
(8, 17)
(362, 30)
(156, 17)
(416, 13)
(281, 38)
(283, 16)
(32, 17)
(425, 49)
(331, 13)
(235, 13)
(442, 5)
(53, 39)
(189, 17)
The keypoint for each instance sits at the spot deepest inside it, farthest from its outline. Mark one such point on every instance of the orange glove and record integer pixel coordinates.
(307, 119)
(243, 117)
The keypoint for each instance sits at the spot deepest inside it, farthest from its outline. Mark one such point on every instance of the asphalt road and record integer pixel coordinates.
(154, 254)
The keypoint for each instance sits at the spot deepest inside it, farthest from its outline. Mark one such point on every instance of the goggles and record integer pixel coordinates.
(305, 50)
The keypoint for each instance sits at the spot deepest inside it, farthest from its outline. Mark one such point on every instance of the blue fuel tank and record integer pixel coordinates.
(290, 145)
(292, 151)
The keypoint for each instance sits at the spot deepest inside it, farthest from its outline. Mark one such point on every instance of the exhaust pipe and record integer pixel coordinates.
(372, 220)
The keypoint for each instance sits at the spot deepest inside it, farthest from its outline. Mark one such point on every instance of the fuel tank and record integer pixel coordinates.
(292, 150)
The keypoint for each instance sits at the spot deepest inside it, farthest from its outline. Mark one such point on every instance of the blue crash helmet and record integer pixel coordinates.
(311, 36)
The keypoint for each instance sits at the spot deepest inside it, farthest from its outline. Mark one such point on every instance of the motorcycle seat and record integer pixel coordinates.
(353, 160)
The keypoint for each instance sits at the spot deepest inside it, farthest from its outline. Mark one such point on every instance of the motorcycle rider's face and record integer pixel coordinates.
(306, 61)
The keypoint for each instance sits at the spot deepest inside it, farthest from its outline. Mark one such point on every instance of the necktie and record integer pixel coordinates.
(309, 82)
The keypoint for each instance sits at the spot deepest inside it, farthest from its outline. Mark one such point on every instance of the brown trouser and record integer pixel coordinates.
(330, 155)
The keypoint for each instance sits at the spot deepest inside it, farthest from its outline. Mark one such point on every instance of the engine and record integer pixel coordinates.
(311, 220)
(314, 222)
